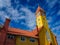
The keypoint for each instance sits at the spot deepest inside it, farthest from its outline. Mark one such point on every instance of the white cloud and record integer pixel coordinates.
(15, 15)
(5, 3)
(56, 28)
(50, 19)
(58, 39)
(58, 12)
(51, 3)
(16, 1)
(3, 16)
(30, 17)
(56, 23)
(57, 31)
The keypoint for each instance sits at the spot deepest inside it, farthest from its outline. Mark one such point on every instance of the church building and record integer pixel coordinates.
(41, 35)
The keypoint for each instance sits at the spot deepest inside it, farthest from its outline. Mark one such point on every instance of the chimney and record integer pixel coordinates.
(6, 24)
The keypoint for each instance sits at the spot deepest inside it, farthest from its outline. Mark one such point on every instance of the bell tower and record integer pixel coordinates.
(46, 37)
(40, 22)
(40, 17)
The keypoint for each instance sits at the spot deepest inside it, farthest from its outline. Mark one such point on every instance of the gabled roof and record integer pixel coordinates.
(16, 31)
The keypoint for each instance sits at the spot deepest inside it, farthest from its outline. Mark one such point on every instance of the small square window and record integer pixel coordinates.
(32, 39)
(22, 38)
(10, 36)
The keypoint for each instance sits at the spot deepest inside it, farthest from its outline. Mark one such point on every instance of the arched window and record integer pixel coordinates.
(48, 36)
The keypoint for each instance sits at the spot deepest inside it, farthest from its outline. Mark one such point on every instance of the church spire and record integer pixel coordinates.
(40, 16)
(39, 9)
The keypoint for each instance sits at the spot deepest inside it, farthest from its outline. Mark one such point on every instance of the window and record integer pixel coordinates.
(48, 36)
(22, 38)
(32, 39)
(10, 36)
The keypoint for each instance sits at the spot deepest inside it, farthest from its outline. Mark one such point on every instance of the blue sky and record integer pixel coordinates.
(22, 14)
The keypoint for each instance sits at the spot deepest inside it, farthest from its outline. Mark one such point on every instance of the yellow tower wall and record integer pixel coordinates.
(42, 37)
(53, 38)
(39, 21)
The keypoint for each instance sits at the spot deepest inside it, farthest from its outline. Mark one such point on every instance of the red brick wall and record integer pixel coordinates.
(3, 32)
(10, 41)
(2, 37)
(4, 40)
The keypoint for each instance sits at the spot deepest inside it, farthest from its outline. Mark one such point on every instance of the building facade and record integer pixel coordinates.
(41, 35)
